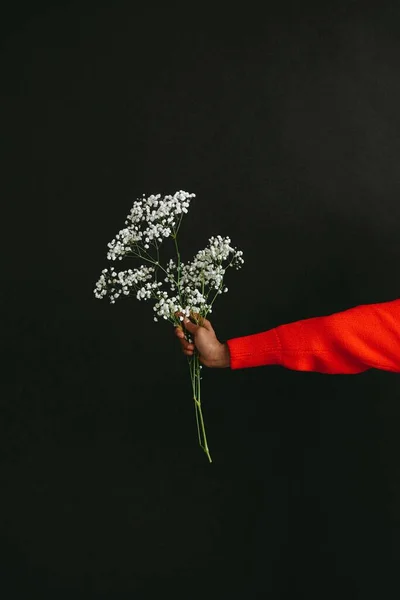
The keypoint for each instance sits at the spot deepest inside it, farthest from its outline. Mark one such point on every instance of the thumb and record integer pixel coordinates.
(191, 327)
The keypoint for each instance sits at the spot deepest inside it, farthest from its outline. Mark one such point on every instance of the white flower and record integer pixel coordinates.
(147, 221)
(114, 284)
(192, 286)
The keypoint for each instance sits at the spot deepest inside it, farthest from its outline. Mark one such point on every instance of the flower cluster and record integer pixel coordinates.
(116, 284)
(166, 307)
(150, 220)
(193, 282)
(190, 284)
(206, 269)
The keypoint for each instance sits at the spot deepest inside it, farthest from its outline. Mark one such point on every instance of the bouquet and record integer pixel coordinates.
(192, 287)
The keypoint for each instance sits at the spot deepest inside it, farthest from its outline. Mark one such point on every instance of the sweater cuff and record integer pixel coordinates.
(265, 345)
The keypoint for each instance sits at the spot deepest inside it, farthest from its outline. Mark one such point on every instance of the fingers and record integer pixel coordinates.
(187, 347)
(198, 318)
(179, 314)
(202, 321)
(207, 325)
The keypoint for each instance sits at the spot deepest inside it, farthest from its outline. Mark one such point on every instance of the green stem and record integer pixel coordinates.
(180, 221)
(153, 262)
(196, 386)
(194, 366)
(158, 258)
(175, 236)
(192, 376)
(217, 293)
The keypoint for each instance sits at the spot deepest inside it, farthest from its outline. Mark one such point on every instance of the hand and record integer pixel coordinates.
(212, 353)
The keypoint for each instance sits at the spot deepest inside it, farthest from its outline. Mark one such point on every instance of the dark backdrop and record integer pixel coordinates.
(286, 126)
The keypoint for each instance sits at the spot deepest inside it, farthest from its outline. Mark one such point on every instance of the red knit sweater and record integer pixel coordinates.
(352, 341)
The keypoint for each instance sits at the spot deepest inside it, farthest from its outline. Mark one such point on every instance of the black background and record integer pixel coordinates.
(285, 123)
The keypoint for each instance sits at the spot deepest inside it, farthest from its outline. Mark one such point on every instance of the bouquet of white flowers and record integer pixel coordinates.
(194, 285)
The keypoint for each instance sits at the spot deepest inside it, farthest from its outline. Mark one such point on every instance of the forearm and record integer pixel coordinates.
(348, 342)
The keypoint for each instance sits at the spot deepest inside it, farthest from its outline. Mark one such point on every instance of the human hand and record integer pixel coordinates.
(212, 353)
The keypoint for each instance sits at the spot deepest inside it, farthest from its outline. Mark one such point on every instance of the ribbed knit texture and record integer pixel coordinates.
(348, 342)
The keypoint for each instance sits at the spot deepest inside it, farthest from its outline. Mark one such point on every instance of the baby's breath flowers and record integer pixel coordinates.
(191, 288)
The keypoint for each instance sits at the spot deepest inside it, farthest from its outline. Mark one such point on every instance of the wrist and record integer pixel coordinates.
(225, 358)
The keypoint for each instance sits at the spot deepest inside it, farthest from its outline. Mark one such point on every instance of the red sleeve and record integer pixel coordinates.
(352, 341)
